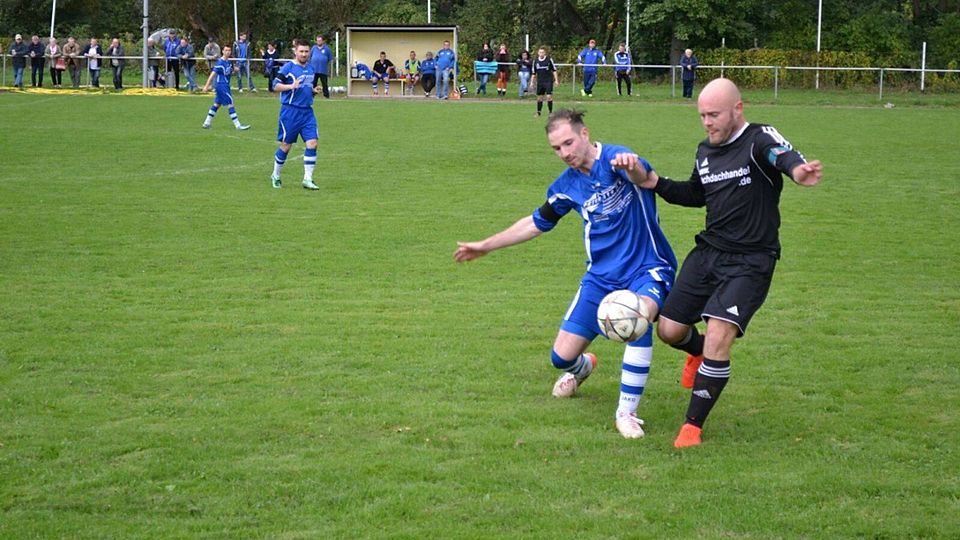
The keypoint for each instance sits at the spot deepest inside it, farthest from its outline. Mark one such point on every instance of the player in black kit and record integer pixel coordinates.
(724, 280)
(544, 76)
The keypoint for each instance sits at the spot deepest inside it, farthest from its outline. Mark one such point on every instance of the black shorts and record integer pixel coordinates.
(544, 88)
(715, 284)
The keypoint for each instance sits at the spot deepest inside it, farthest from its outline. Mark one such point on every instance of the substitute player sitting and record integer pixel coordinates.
(625, 250)
(295, 84)
(221, 72)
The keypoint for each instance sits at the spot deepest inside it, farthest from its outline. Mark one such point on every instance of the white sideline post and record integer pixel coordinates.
(819, 19)
(53, 16)
(923, 66)
(337, 42)
(627, 41)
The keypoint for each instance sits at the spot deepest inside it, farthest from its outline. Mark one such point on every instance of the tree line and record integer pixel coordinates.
(886, 30)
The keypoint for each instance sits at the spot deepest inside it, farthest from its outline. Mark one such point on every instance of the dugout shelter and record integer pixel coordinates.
(365, 41)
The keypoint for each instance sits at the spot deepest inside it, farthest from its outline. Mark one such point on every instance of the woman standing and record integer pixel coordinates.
(485, 55)
(57, 64)
(524, 69)
(503, 70)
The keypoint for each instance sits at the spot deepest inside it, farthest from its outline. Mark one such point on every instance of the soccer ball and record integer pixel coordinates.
(622, 316)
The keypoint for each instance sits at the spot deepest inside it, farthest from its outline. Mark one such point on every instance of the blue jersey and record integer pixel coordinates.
(621, 228)
(301, 97)
(623, 61)
(223, 69)
(590, 56)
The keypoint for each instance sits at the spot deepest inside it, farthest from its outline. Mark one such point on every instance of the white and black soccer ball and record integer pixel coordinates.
(622, 316)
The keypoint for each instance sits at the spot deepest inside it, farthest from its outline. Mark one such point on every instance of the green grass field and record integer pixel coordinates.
(186, 352)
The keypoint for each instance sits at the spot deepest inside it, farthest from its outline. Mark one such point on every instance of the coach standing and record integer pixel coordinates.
(724, 280)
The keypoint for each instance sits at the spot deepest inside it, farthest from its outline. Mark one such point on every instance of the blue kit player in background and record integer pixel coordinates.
(625, 250)
(295, 84)
(221, 72)
(590, 58)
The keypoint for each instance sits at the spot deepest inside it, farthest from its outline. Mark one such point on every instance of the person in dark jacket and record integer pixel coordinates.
(271, 63)
(19, 52)
(688, 64)
(485, 55)
(94, 55)
(37, 60)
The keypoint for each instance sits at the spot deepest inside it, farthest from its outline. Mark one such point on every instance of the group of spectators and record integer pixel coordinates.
(166, 61)
(591, 58)
(68, 57)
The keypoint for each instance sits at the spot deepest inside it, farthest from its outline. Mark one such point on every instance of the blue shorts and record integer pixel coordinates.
(223, 95)
(296, 122)
(581, 317)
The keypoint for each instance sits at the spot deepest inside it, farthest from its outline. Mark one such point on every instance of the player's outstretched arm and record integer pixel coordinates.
(808, 174)
(521, 231)
(630, 163)
(206, 87)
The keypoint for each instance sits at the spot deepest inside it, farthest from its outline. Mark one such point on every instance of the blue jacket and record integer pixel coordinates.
(428, 67)
(590, 56)
(446, 59)
(170, 47)
(241, 51)
(320, 58)
(623, 61)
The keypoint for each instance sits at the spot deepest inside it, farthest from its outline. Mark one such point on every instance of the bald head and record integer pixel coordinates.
(721, 110)
(722, 91)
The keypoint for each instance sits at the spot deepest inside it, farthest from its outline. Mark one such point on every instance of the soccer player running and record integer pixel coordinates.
(221, 72)
(295, 84)
(738, 176)
(625, 249)
(544, 76)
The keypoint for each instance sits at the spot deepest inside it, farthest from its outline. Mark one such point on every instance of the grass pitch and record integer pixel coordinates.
(186, 352)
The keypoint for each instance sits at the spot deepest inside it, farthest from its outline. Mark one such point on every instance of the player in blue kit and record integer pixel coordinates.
(221, 72)
(625, 250)
(295, 84)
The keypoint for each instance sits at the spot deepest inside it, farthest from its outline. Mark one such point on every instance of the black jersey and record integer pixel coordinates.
(543, 69)
(740, 183)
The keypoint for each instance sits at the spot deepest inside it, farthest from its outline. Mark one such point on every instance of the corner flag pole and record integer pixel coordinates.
(146, 36)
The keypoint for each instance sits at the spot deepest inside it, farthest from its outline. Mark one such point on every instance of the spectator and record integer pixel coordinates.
(524, 70)
(382, 70)
(36, 62)
(271, 63)
(411, 69)
(19, 52)
(211, 51)
(503, 70)
(485, 55)
(188, 62)
(57, 63)
(153, 63)
(72, 54)
(688, 64)
(241, 50)
(320, 57)
(428, 73)
(590, 58)
(173, 63)
(623, 61)
(446, 68)
(117, 62)
(94, 55)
